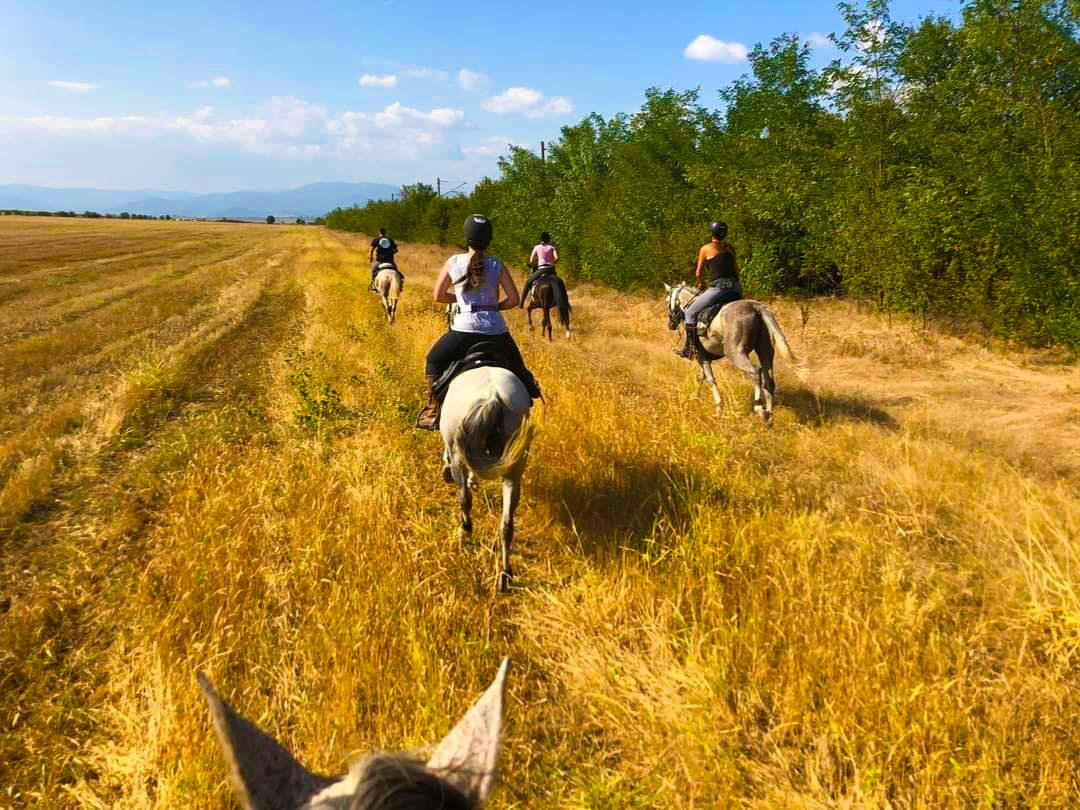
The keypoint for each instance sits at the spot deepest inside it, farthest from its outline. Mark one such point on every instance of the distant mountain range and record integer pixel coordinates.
(311, 200)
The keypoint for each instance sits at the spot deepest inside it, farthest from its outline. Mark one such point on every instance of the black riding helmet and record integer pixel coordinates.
(718, 229)
(478, 231)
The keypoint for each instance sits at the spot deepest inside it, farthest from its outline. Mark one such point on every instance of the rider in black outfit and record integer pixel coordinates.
(717, 261)
(382, 251)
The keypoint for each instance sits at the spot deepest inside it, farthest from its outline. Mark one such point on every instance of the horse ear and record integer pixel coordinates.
(263, 774)
(667, 288)
(468, 756)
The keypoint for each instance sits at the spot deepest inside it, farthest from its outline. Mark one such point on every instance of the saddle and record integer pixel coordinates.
(705, 318)
(484, 354)
(390, 266)
(546, 278)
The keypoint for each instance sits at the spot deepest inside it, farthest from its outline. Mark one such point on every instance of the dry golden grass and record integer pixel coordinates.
(207, 462)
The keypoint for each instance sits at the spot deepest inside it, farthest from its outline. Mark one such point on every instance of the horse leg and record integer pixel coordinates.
(528, 312)
(740, 358)
(511, 496)
(545, 327)
(710, 378)
(768, 383)
(460, 476)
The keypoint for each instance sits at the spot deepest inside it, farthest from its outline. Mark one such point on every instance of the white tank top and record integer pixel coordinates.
(476, 311)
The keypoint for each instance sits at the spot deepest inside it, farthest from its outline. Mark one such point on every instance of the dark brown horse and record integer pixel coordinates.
(547, 294)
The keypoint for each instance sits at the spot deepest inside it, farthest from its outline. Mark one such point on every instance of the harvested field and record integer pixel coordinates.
(207, 461)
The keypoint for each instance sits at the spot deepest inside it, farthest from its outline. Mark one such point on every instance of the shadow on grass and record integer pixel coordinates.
(621, 506)
(825, 409)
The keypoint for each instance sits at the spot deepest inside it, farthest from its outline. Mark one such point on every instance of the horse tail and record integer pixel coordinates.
(487, 447)
(562, 301)
(388, 283)
(778, 339)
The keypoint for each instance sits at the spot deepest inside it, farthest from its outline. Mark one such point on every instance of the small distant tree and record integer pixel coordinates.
(270, 220)
(300, 221)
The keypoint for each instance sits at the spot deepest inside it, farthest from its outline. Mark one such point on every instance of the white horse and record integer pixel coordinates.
(486, 433)
(388, 285)
(739, 328)
(459, 776)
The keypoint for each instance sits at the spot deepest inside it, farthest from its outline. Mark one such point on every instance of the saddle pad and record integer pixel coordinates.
(481, 355)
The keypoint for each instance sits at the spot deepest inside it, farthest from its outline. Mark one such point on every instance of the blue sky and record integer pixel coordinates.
(221, 96)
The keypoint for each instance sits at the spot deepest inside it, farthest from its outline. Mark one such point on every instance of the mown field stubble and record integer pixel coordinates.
(207, 462)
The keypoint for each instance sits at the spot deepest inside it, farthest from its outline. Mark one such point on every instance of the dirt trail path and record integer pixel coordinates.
(212, 465)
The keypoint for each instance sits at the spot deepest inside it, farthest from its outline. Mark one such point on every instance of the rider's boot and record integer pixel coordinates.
(690, 345)
(428, 419)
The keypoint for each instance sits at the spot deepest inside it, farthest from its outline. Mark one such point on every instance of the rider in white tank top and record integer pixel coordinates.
(477, 310)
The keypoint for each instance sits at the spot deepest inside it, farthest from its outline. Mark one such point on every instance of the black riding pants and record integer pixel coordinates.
(455, 345)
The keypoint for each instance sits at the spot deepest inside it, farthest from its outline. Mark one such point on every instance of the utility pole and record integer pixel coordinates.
(438, 186)
(542, 158)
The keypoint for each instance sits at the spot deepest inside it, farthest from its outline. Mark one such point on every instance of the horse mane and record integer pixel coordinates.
(397, 782)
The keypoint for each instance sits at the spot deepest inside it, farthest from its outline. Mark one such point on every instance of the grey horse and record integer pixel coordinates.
(460, 774)
(739, 328)
(486, 432)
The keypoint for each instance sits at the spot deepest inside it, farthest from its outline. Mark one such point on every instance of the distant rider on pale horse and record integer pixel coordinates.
(382, 252)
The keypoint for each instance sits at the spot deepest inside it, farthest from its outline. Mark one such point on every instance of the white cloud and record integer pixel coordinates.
(495, 146)
(281, 126)
(819, 40)
(73, 87)
(473, 81)
(396, 129)
(709, 49)
(528, 102)
(368, 80)
(427, 73)
(219, 82)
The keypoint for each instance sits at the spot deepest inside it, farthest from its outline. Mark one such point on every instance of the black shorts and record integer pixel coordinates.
(455, 345)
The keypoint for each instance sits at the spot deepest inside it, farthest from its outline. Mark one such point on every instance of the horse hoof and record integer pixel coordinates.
(506, 579)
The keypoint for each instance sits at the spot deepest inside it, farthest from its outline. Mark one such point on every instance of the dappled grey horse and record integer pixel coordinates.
(486, 433)
(739, 328)
(460, 774)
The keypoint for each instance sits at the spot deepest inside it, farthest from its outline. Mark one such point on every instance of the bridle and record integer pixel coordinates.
(675, 314)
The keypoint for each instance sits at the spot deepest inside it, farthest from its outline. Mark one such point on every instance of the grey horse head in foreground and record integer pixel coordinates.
(739, 328)
(459, 775)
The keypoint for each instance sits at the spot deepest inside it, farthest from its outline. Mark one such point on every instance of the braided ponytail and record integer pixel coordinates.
(475, 274)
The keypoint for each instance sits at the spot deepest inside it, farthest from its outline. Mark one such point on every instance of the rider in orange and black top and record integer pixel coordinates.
(717, 259)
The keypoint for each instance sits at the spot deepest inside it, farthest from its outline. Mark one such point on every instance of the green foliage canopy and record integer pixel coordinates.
(935, 169)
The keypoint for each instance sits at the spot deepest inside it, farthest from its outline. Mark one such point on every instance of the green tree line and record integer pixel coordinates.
(934, 169)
